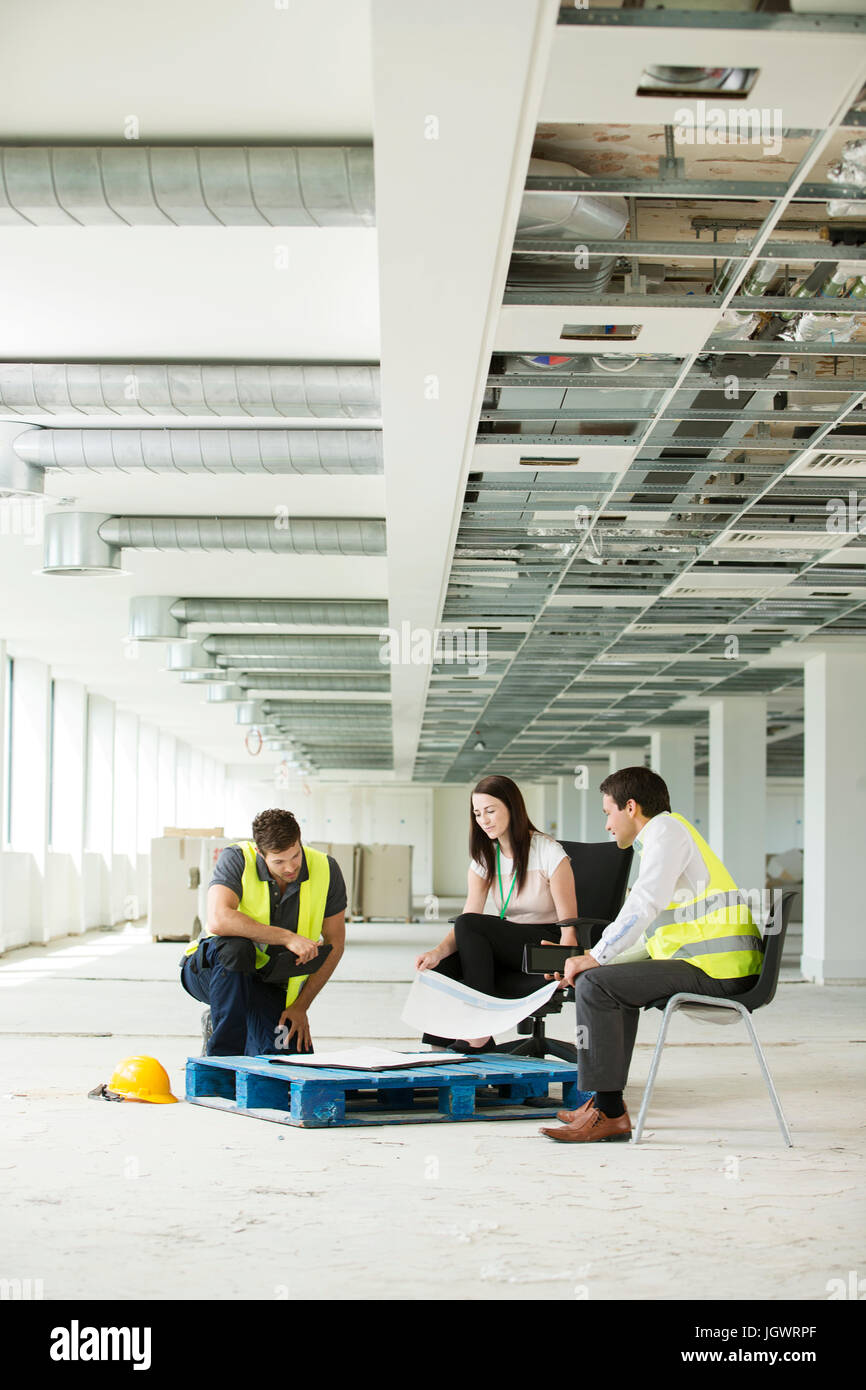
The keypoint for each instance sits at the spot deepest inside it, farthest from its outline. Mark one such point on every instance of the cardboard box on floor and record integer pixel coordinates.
(378, 878)
(347, 856)
(181, 865)
(386, 881)
(179, 831)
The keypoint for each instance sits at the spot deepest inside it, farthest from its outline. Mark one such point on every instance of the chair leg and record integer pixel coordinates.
(783, 1125)
(521, 1047)
(648, 1090)
(566, 1052)
(534, 1044)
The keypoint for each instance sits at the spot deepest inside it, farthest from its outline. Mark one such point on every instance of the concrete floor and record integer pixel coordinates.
(174, 1202)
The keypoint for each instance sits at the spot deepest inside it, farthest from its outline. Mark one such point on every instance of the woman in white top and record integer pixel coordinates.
(528, 876)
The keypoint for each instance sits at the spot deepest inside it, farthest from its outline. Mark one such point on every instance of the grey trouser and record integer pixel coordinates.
(608, 1001)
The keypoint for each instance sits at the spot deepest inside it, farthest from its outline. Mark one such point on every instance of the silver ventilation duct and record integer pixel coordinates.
(244, 655)
(16, 476)
(250, 712)
(289, 664)
(152, 620)
(311, 713)
(317, 390)
(205, 675)
(137, 185)
(87, 543)
(247, 611)
(370, 683)
(73, 545)
(204, 451)
(192, 657)
(224, 693)
(242, 647)
(166, 619)
(281, 535)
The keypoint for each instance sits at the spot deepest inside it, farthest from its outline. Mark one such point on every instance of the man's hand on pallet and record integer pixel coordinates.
(298, 1026)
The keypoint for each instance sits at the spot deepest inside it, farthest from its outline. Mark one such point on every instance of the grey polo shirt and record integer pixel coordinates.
(229, 869)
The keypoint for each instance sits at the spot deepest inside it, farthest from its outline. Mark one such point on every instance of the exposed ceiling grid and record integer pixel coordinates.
(617, 443)
(694, 570)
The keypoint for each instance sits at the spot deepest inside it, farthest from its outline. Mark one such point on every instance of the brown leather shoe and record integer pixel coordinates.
(592, 1127)
(569, 1117)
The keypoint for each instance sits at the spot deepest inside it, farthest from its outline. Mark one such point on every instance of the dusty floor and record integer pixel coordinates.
(107, 1200)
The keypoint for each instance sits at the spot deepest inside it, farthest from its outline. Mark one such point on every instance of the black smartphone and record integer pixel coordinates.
(547, 960)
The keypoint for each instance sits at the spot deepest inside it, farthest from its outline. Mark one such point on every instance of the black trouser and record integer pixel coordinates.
(487, 947)
(608, 1002)
(246, 1003)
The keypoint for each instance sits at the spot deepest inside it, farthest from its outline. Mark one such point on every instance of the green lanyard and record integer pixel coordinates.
(511, 889)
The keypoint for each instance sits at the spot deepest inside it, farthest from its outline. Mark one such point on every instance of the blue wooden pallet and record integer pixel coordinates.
(279, 1092)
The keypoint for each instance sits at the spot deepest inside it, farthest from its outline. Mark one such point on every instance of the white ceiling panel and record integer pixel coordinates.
(253, 494)
(595, 73)
(201, 70)
(593, 458)
(205, 293)
(538, 328)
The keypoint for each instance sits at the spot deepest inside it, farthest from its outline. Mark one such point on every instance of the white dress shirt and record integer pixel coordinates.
(671, 869)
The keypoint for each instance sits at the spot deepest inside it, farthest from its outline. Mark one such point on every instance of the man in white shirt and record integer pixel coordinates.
(700, 939)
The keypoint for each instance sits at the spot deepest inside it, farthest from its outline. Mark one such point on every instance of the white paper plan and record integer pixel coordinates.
(369, 1059)
(450, 1009)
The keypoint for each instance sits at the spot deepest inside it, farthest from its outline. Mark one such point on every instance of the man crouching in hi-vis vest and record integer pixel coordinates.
(276, 928)
(698, 938)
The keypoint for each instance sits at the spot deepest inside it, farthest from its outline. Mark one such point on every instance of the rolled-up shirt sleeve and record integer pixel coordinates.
(229, 869)
(666, 854)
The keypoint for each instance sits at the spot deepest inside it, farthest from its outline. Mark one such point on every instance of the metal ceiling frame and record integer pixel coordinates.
(554, 700)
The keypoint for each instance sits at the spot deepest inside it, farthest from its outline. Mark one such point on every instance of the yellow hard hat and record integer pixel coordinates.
(142, 1078)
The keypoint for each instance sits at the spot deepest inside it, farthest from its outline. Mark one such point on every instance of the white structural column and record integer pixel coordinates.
(4, 829)
(66, 877)
(456, 89)
(579, 812)
(625, 755)
(167, 783)
(3, 771)
(738, 787)
(834, 798)
(29, 772)
(672, 756)
(550, 814)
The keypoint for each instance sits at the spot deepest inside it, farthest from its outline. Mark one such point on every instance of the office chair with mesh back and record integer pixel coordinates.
(712, 1010)
(600, 881)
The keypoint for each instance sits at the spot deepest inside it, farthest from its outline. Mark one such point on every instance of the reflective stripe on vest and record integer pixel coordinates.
(255, 902)
(699, 928)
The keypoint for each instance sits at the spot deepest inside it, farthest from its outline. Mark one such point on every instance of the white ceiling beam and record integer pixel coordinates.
(456, 93)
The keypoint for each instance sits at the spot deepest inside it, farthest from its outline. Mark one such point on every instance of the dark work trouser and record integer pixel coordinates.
(245, 1007)
(608, 1000)
(486, 947)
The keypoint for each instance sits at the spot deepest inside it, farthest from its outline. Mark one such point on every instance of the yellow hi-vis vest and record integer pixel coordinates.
(714, 931)
(256, 903)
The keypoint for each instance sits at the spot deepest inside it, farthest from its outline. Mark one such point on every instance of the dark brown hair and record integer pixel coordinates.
(275, 830)
(520, 829)
(638, 784)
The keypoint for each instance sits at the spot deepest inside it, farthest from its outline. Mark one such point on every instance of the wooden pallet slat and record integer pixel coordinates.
(492, 1086)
